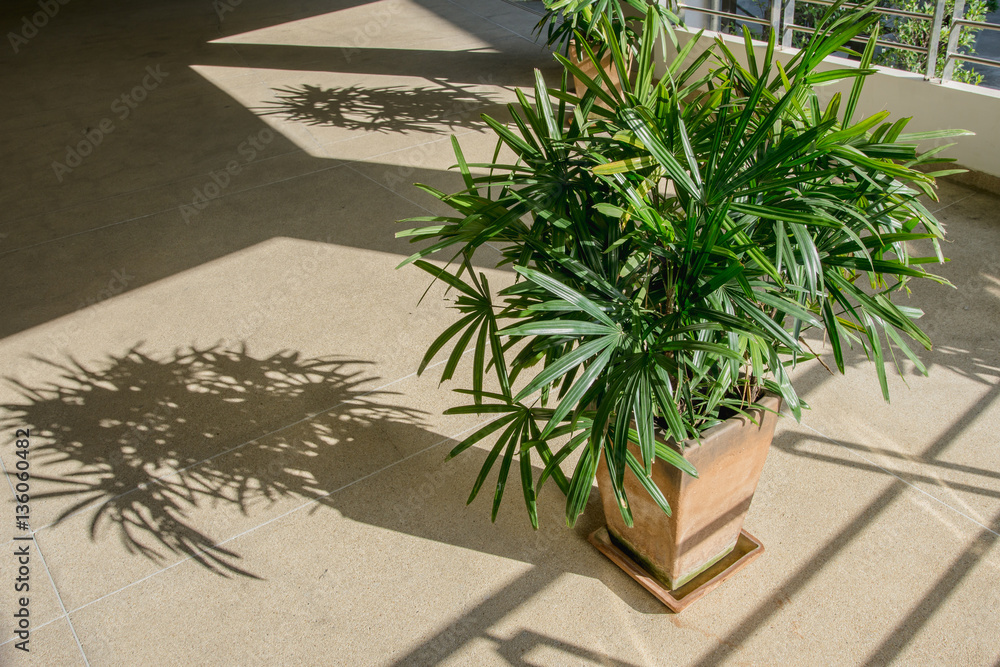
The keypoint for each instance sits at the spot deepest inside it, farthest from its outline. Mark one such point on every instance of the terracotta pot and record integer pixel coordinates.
(708, 511)
(590, 70)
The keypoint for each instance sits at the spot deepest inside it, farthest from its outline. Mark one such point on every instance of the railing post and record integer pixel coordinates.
(716, 22)
(789, 18)
(953, 34)
(932, 48)
(776, 19)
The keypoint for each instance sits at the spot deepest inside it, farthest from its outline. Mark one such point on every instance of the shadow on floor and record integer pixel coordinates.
(386, 109)
(174, 454)
(122, 207)
(473, 66)
(161, 451)
(141, 443)
(478, 623)
(977, 364)
(978, 548)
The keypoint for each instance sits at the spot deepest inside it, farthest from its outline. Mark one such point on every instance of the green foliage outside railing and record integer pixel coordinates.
(918, 33)
(914, 32)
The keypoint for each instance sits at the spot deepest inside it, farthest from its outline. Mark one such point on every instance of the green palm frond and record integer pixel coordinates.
(672, 250)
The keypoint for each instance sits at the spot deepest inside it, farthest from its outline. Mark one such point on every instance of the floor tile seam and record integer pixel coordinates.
(178, 97)
(138, 191)
(35, 628)
(366, 158)
(261, 82)
(323, 146)
(390, 190)
(522, 6)
(318, 146)
(957, 201)
(900, 478)
(59, 599)
(38, 550)
(232, 449)
(308, 503)
(166, 210)
(489, 20)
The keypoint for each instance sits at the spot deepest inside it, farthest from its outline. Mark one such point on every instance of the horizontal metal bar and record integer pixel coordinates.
(976, 24)
(904, 47)
(878, 10)
(799, 28)
(974, 59)
(862, 38)
(731, 15)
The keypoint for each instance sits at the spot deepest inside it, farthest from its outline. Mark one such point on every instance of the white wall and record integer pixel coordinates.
(933, 106)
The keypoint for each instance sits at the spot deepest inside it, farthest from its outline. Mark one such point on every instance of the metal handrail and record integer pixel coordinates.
(783, 23)
(951, 53)
(787, 38)
(877, 10)
(725, 14)
(979, 60)
(881, 42)
(976, 24)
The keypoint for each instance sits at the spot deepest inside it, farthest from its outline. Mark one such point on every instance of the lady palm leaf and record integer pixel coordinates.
(672, 250)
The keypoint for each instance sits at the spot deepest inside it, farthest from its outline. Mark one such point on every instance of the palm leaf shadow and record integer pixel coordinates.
(148, 445)
(396, 109)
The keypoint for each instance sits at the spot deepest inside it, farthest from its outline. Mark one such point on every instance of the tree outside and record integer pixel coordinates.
(911, 31)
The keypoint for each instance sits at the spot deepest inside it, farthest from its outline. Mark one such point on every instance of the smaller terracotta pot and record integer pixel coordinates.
(590, 70)
(708, 511)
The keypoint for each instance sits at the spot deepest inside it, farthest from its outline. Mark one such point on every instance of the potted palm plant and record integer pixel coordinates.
(673, 241)
(595, 21)
(582, 30)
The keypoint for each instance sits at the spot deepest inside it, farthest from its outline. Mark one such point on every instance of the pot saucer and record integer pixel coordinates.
(746, 550)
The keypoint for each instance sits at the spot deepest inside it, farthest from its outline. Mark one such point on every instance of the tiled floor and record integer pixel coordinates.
(220, 370)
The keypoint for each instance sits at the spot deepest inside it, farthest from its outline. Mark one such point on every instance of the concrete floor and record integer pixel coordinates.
(242, 466)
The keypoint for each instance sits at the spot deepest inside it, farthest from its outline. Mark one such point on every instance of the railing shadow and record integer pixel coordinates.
(514, 650)
(977, 365)
(795, 447)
